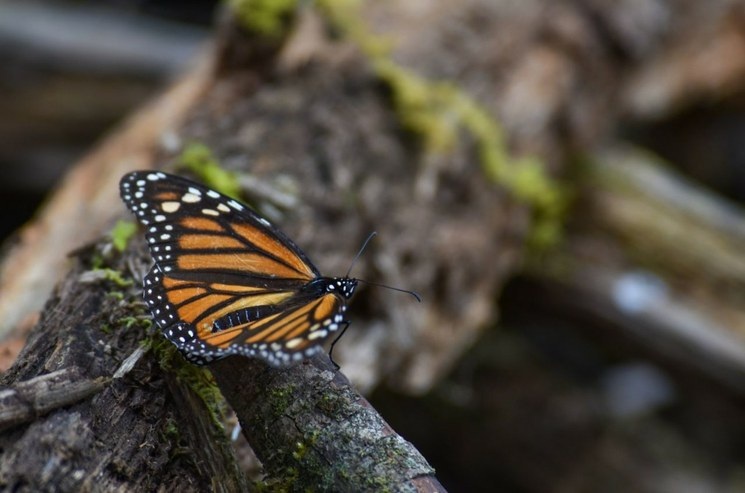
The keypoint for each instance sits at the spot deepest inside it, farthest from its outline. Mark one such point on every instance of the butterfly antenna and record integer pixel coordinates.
(369, 283)
(362, 249)
(412, 293)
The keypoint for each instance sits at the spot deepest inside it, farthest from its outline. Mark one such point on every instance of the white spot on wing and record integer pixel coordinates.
(318, 334)
(170, 206)
(235, 205)
(293, 342)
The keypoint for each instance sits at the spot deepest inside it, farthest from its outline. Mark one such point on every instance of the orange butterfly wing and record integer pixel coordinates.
(225, 281)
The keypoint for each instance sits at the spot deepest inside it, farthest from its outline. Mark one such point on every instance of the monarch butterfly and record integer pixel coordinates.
(225, 281)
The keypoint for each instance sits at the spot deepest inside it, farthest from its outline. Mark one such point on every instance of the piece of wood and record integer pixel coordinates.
(72, 344)
(39, 395)
(309, 427)
(313, 431)
(145, 430)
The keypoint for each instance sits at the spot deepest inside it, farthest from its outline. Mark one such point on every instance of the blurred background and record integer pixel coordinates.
(607, 379)
(61, 92)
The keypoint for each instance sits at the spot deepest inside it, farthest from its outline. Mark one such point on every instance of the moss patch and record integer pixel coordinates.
(198, 379)
(114, 276)
(264, 17)
(199, 159)
(122, 233)
(437, 111)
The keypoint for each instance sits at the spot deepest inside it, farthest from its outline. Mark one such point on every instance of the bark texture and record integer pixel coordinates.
(140, 428)
(310, 428)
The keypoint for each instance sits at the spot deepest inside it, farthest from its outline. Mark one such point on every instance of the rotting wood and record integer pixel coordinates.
(145, 419)
(312, 430)
(37, 396)
(144, 430)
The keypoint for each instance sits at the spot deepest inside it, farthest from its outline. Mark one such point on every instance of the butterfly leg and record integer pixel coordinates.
(331, 349)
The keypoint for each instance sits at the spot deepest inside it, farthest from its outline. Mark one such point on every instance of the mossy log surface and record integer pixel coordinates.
(88, 427)
(312, 430)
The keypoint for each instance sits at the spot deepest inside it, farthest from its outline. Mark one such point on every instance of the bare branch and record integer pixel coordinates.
(308, 425)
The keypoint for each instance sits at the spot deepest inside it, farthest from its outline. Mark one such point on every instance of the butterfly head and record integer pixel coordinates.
(343, 285)
(346, 286)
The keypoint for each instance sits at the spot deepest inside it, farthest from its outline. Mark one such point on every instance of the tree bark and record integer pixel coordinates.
(71, 422)
(309, 427)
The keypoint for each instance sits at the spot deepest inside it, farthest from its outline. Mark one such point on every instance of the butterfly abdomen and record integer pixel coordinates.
(243, 316)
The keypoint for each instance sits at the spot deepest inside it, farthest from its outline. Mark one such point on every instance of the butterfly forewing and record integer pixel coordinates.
(225, 281)
(192, 228)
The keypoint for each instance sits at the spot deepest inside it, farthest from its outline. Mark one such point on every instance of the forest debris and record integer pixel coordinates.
(37, 396)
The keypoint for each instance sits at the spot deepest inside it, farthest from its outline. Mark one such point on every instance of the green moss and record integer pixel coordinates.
(130, 321)
(300, 450)
(198, 379)
(303, 460)
(287, 482)
(198, 159)
(264, 17)
(117, 295)
(331, 403)
(180, 451)
(97, 261)
(281, 398)
(114, 276)
(171, 431)
(121, 234)
(422, 107)
(438, 111)
(312, 438)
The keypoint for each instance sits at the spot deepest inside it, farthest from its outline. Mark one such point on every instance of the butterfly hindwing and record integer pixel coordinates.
(225, 281)
(280, 338)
